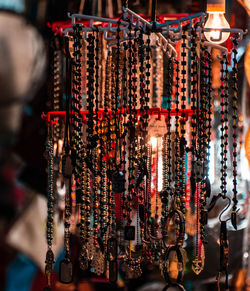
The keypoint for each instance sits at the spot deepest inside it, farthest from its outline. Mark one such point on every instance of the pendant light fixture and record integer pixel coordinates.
(216, 20)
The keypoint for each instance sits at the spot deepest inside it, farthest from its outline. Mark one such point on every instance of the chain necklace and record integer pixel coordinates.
(224, 128)
(209, 88)
(182, 124)
(124, 143)
(77, 144)
(177, 141)
(57, 85)
(194, 106)
(167, 148)
(86, 161)
(105, 182)
(130, 127)
(206, 130)
(50, 216)
(65, 272)
(148, 204)
(224, 245)
(198, 262)
(143, 141)
(95, 181)
(235, 125)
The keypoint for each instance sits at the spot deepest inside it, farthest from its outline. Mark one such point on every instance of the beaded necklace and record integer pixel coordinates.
(50, 216)
(235, 125)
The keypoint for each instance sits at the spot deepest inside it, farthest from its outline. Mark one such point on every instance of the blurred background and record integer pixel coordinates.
(25, 89)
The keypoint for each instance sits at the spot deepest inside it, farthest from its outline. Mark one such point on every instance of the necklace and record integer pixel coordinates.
(235, 125)
(51, 200)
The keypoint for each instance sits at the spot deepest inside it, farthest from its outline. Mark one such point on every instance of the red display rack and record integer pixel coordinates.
(51, 116)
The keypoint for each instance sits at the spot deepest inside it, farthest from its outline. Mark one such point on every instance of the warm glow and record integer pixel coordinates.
(60, 146)
(153, 141)
(160, 180)
(211, 173)
(61, 187)
(216, 20)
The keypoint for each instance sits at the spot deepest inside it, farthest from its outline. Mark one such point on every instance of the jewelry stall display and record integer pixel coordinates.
(136, 174)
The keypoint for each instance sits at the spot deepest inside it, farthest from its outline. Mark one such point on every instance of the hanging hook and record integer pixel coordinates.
(225, 209)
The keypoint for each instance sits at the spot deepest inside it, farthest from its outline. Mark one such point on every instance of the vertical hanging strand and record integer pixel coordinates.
(209, 120)
(91, 141)
(149, 147)
(222, 137)
(195, 160)
(57, 84)
(143, 139)
(169, 142)
(95, 184)
(226, 104)
(117, 141)
(235, 126)
(67, 173)
(134, 110)
(224, 142)
(194, 107)
(198, 262)
(117, 85)
(130, 127)
(165, 170)
(105, 149)
(148, 191)
(124, 139)
(76, 112)
(135, 138)
(50, 216)
(176, 140)
(77, 143)
(112, 141)
(167, 148)
(182, 122)
(205, 145)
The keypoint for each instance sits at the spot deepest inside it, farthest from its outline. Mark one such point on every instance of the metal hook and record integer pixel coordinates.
(225, 209)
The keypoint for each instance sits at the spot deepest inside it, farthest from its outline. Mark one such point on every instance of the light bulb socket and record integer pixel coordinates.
(214, 6)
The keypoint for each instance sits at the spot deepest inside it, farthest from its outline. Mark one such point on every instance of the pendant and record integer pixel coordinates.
(234, 219)
(141, 212)
(129, 232)
(118, 182)
(112, 249)
(197, 266)
(67, 166)
(90, 248)
(193, 185)
(98, 263)
(132, 269)
(198, 170)
(49, 261)
(204, 217)
(113, 271)
(183, 144)
(208, 188)
(66, 272)
(199, 262)
(83, 259)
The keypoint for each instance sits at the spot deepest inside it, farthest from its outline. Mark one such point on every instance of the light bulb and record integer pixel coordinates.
(216, 20)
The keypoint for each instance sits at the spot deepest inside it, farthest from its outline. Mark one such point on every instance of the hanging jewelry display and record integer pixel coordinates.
(128, 161)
